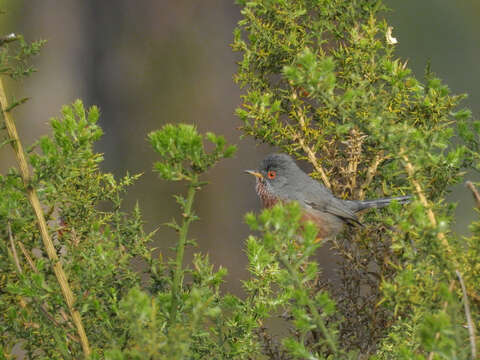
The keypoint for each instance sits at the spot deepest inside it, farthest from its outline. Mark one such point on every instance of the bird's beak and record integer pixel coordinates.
(254, 173)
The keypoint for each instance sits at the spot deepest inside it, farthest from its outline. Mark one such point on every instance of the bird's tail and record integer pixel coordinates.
(357, 205)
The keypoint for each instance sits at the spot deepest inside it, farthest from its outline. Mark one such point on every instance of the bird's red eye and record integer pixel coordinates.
(271, 174)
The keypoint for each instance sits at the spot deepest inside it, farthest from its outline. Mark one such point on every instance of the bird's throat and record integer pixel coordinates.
(266, 197)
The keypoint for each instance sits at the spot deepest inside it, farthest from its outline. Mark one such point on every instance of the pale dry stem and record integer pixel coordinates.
(476, 194)
(371, 172)
(308, 151)
(313, 160)
(40, 217)
(27, 256)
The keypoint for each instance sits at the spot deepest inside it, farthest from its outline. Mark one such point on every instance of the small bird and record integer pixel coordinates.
(280, 179)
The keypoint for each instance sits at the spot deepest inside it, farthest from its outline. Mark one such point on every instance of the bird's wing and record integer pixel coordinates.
(321, 199)
(315, 195)
(336, 208)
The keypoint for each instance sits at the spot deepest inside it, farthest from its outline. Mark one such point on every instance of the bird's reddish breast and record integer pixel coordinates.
(267, 199)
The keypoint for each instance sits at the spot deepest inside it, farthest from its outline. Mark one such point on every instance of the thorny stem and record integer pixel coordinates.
(182, 240)
(313, 310)
(37, 208)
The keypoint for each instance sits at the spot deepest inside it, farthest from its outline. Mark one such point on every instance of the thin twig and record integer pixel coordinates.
(64, 316)
(14, 249)
(310, 154)
(371, 171)
(470, 324)
(476, 196)
(313, 159)
(35, 203)
(43, 307)
(475, 193)
(28, 257)
(431, 216)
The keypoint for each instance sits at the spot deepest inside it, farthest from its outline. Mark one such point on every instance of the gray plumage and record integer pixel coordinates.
(279, 178)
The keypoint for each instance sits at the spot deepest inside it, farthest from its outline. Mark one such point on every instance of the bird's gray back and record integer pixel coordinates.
(304, 189)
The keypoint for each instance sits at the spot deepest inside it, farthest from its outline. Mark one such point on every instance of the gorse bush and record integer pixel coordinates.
(321, 82)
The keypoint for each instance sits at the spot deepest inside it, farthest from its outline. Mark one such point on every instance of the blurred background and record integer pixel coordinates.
(147, 63)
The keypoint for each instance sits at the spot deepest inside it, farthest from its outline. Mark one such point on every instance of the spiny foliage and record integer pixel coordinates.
(181, 148)
(15, 55)
(281, 265)
(71, 188)
(322, 82)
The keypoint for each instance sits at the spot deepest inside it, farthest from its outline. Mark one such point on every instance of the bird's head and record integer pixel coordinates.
(275, 171)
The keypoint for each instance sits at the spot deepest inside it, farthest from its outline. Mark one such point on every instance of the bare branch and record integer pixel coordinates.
(475, 193)
(313, 160)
